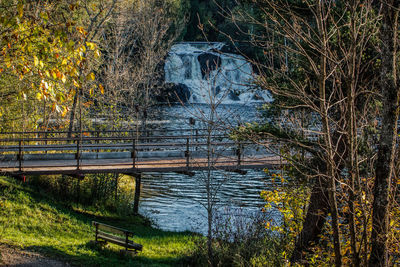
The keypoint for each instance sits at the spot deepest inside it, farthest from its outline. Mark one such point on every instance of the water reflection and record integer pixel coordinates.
(176, 201)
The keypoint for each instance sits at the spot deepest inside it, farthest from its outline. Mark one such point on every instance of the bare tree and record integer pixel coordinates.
(137, 41)
(327, 75)
(97, 14)
(388, 134)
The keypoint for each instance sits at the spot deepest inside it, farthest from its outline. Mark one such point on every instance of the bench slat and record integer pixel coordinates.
(120, 241)
(112, 229)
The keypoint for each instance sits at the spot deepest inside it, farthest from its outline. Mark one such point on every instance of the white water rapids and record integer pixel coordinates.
(212, 76)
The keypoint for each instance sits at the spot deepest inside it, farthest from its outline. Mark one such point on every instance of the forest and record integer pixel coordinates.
(330, 67)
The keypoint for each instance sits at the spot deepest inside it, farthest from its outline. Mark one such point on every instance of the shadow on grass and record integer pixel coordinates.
(105, 257)
(88, 254)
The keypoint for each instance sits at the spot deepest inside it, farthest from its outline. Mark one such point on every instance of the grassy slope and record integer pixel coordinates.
(37, 223)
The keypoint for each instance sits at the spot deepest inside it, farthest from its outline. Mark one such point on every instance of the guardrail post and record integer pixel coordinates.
(197, 139)
(45, 142)
(133, 153)
(20, 155)
(187, 153)
(77, 153)
(97, 142)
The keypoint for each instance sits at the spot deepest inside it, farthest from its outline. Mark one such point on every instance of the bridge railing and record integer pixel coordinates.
(123, 150)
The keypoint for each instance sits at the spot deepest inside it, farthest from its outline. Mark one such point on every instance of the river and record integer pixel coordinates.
(205, 77)
(175, 201)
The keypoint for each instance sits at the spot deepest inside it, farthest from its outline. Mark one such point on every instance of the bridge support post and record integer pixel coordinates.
(138, 183)
(239, 154)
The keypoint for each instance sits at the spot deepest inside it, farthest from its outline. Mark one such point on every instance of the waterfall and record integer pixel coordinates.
(207, 75)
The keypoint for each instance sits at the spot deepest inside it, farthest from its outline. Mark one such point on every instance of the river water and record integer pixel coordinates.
(207, 77)
(176, 201)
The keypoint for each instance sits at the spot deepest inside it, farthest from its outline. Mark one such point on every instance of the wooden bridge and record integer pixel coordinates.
(130, 152)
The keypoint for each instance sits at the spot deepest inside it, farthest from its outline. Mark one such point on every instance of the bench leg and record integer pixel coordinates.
(97, 231)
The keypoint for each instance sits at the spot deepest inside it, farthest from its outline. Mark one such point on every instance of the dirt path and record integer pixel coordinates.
(15, 257)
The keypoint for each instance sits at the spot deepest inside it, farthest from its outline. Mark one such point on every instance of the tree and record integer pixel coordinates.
(384, 170)
(324, 54)
(41, 52)
(96, 13)
(136, 43)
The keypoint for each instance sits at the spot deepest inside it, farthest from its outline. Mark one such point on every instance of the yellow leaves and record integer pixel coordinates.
(90, 76)
(81, 30)
(44, 16)
(91, 46)
(65, 111)
(8, 62)
(97, 53)
(94, 7)
(59, 75)
(45, 84)
(71, 44)
(20, 9)
(39, 96)
(87, 104)
(76, 84)
(91, 90)
(49, 60)
(289, 202)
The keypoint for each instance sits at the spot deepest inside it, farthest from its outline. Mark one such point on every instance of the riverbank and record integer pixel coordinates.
(34, 222)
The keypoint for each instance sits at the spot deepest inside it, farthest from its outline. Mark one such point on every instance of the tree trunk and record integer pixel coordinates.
(314, 222)
(386, 148)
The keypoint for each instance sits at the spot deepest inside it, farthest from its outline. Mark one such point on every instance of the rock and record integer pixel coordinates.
(257, 97)
(208, 62)
(175, 93)
(228, 48)
(233, 96)
(217, 90)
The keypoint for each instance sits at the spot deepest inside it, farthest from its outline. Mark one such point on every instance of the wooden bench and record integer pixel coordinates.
(115, 235)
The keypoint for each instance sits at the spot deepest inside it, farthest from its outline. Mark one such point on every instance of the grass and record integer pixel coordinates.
(35, 222)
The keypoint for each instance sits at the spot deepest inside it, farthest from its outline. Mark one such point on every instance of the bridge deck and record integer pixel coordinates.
(126, 166)
(123, 154)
